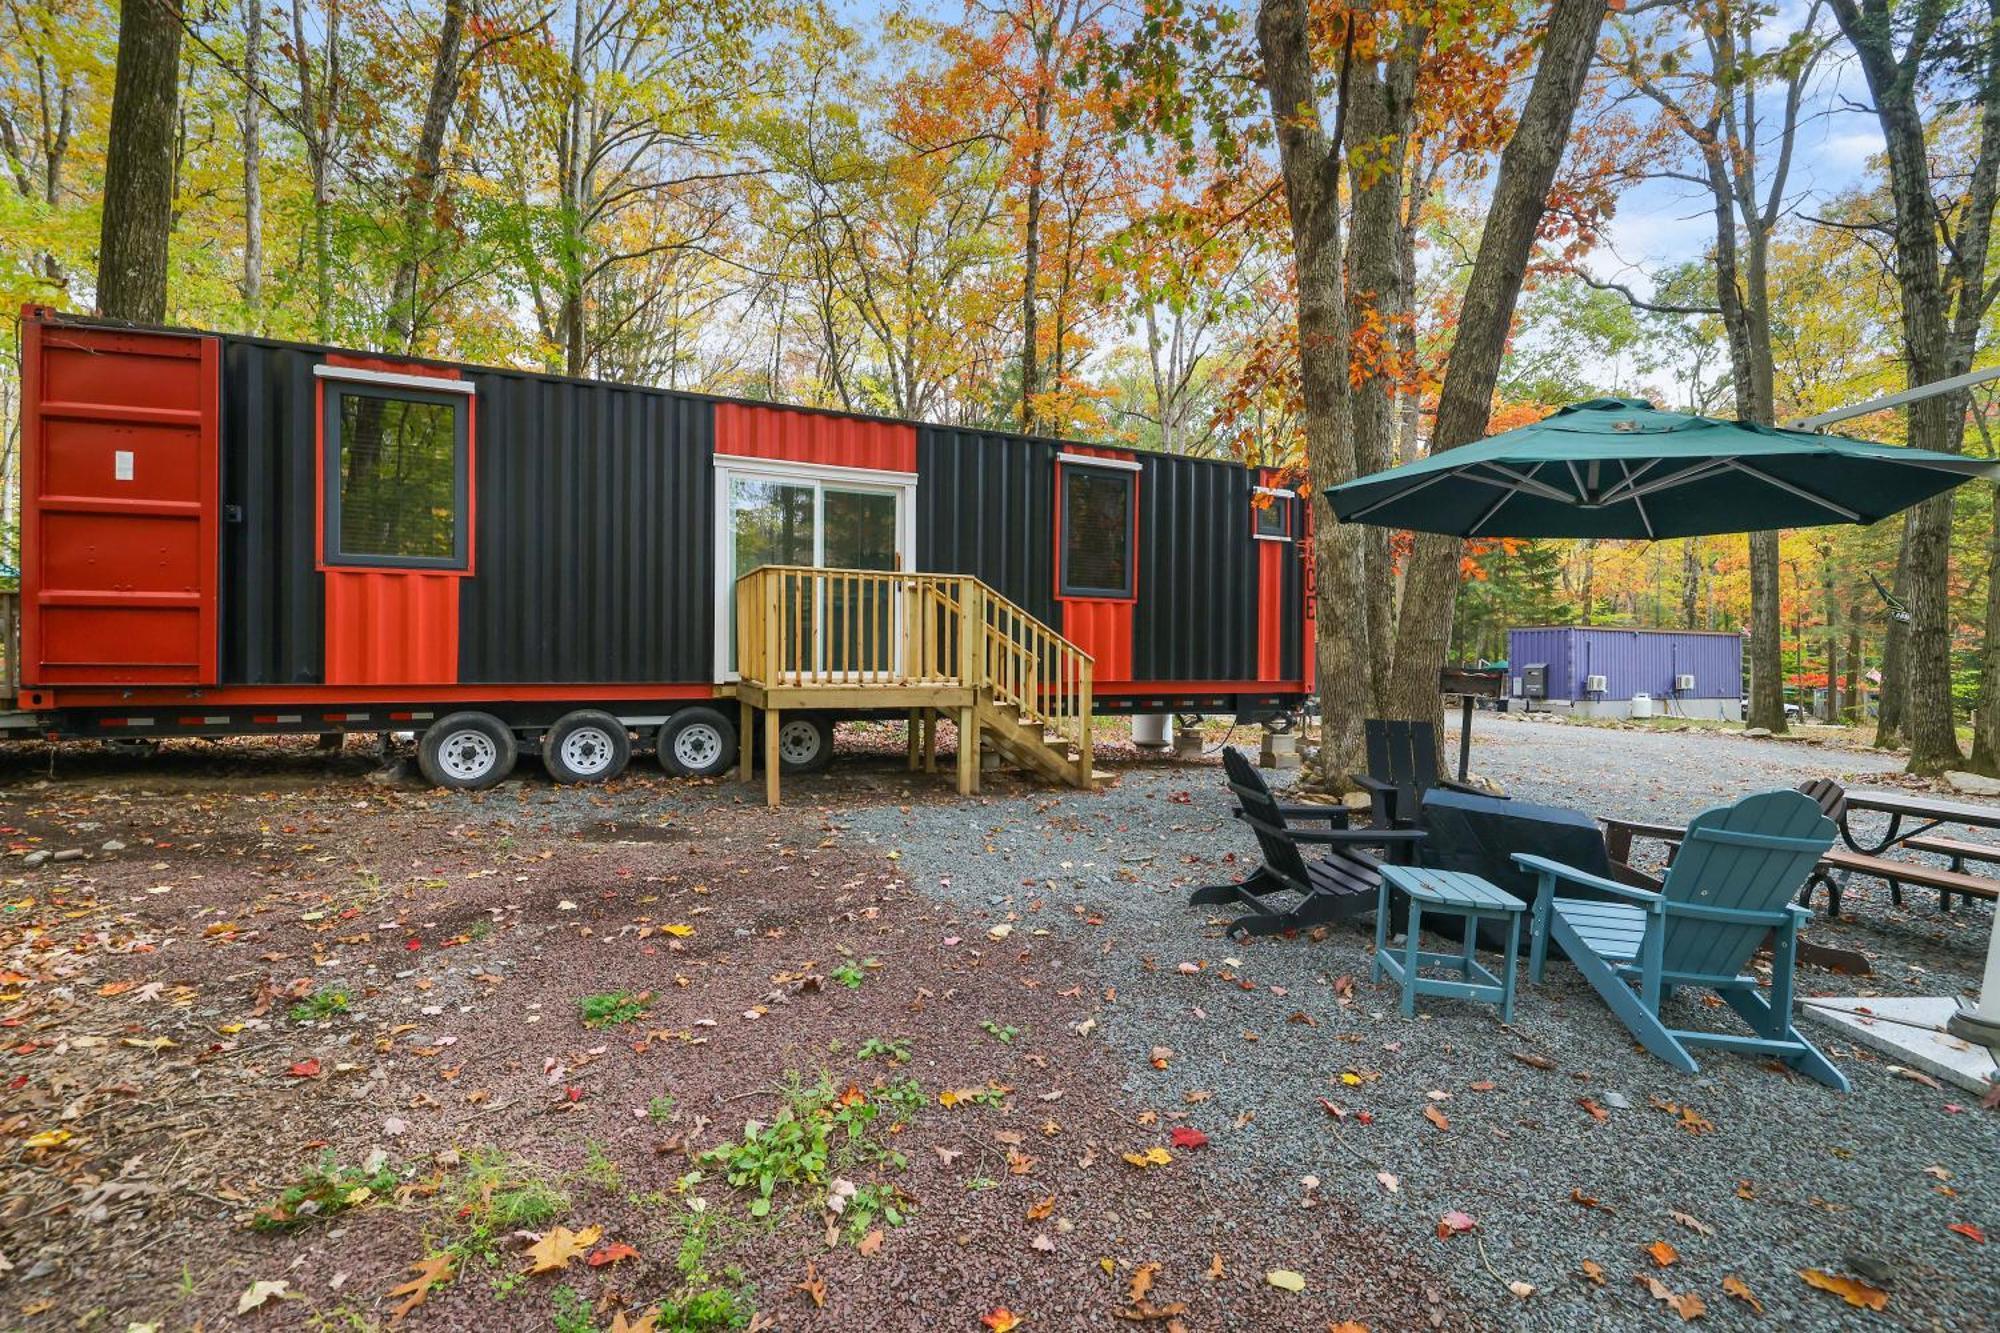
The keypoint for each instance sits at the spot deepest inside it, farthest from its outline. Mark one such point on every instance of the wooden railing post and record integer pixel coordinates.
(971, 634)
(1083, 709)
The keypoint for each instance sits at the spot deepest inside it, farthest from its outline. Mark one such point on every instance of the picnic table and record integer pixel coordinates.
(1929, 811)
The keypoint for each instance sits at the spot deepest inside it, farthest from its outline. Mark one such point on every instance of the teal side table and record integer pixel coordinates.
(1446, 893)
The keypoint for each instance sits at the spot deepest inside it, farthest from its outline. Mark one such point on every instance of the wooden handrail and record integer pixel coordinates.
(798, 626)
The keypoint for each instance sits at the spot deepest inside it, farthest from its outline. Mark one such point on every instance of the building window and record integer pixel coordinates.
(1096, 532)
(1271, 515)
(396, 477)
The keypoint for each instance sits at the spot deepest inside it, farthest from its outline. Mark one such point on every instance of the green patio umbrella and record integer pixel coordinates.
(1621, 468)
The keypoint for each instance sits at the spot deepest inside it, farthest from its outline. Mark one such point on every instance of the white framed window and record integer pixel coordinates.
(774, 512)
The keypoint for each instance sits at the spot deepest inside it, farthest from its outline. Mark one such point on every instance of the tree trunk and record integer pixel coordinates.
(1031, 270)
(1894, 691)
(253, 162)
(1690, 582)
(1944, 304)
(1520, 196)
(1854, 708)
(420, 203)
(1381, 109)
(1986, 716)
(1309, 162)
(139, 163)
(1766, 641)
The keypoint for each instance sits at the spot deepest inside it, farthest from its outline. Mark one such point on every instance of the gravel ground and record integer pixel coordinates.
(1746, 1171)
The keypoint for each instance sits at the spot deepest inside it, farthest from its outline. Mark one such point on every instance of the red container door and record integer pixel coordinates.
(119, 506)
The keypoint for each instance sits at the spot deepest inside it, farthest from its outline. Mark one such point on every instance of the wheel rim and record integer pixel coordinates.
(468, 755)
(697, 745)
(798, 742)
(588, 751)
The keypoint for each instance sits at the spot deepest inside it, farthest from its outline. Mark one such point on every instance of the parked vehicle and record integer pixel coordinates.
(223, 534)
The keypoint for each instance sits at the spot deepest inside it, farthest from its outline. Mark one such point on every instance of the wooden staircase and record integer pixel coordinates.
(931, 645)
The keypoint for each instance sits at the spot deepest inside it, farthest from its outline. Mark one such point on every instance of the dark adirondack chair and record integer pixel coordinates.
(1730, 886)
(1402, 766)
(1334, 887)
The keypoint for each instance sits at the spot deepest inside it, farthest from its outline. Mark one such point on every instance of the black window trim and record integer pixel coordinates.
(461, 405)
(1117, 470)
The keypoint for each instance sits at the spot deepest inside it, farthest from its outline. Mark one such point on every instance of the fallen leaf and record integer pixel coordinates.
(870, 1244)
(1142, 1281)
(1040, 1210)
(1454, 1222)
(1733, 1285)
(1850, 1289)
(48, 1138)
(1155, 1156)
(611, 1254)
(1388, 1181)
(1347, 1326)
(305, 1069)
(554, 1250)
(1692, 1223)
(1436, 1117)
(431, 1272)
(1663, 1254)
(815, 1287)
(1688, 1305)
(1597, 1112)
(1594, 1271)
(1521, 1289)
(1215, 1266)
(645, 1323)
(1284, 1279)
(260, 1292)
(1969, 1231)
(1001, 1320)
(1533, 1059)
(1185, 1137)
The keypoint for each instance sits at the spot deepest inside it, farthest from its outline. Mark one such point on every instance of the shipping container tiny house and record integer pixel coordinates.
(1601, 672)
(224, 535)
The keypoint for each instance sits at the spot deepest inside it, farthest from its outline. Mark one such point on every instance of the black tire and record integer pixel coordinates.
(467, 752)
(588, 745)
(805, 742)
(698, 743)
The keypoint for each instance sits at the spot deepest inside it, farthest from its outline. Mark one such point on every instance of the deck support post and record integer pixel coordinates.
(968, 751)
(771, 725)
(915, 745)
(930, 740)
(746, 741)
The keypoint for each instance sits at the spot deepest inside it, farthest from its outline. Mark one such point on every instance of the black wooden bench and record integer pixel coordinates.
(1402, 766)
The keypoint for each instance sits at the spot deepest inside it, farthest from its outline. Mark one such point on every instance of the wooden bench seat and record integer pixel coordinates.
(1958, 849)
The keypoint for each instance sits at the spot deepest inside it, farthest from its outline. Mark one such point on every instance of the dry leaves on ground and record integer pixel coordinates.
(434, 1271)
(1850, 1289)
(554, 1250)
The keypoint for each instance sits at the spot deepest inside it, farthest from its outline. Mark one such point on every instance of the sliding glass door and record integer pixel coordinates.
(786, 515)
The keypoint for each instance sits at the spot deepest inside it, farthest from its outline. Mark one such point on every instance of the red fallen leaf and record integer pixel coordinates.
(1184, 1137)
(1333, 1110)
(1365, 1117)
(1969, 1231)
(573, 1092)
(1454, 1222)
(305, 1069)
(611, 1254)
(413, 945)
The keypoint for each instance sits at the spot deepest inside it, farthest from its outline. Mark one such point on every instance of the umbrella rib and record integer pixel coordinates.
(1526, 481)
(1799, 491)
(1681, 478)
(1582, 491)
(1637, 503)
(1616, 493)
(1407, 491)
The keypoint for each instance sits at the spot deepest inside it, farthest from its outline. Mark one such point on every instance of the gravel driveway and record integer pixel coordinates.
(1745, 1171)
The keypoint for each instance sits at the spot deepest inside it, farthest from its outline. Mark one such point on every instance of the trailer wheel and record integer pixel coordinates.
(586, 746)
(805, 742)
(697, 743)
(467, 752)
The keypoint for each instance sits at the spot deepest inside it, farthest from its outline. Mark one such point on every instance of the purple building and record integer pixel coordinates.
(1600, 672)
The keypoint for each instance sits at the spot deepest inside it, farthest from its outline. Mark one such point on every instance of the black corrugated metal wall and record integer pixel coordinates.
(596, 541)
(273, 609)
(594, 547)
(1197, 612)
(986, 507)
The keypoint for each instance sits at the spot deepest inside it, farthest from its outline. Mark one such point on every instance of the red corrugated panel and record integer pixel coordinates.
(1271, 557)
(391, 627)
(119, 505)
(752, 430)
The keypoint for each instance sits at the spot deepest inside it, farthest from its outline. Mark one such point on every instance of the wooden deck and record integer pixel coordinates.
(930, 645)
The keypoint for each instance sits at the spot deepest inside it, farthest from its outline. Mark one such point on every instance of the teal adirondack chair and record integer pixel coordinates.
(1730, 885)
